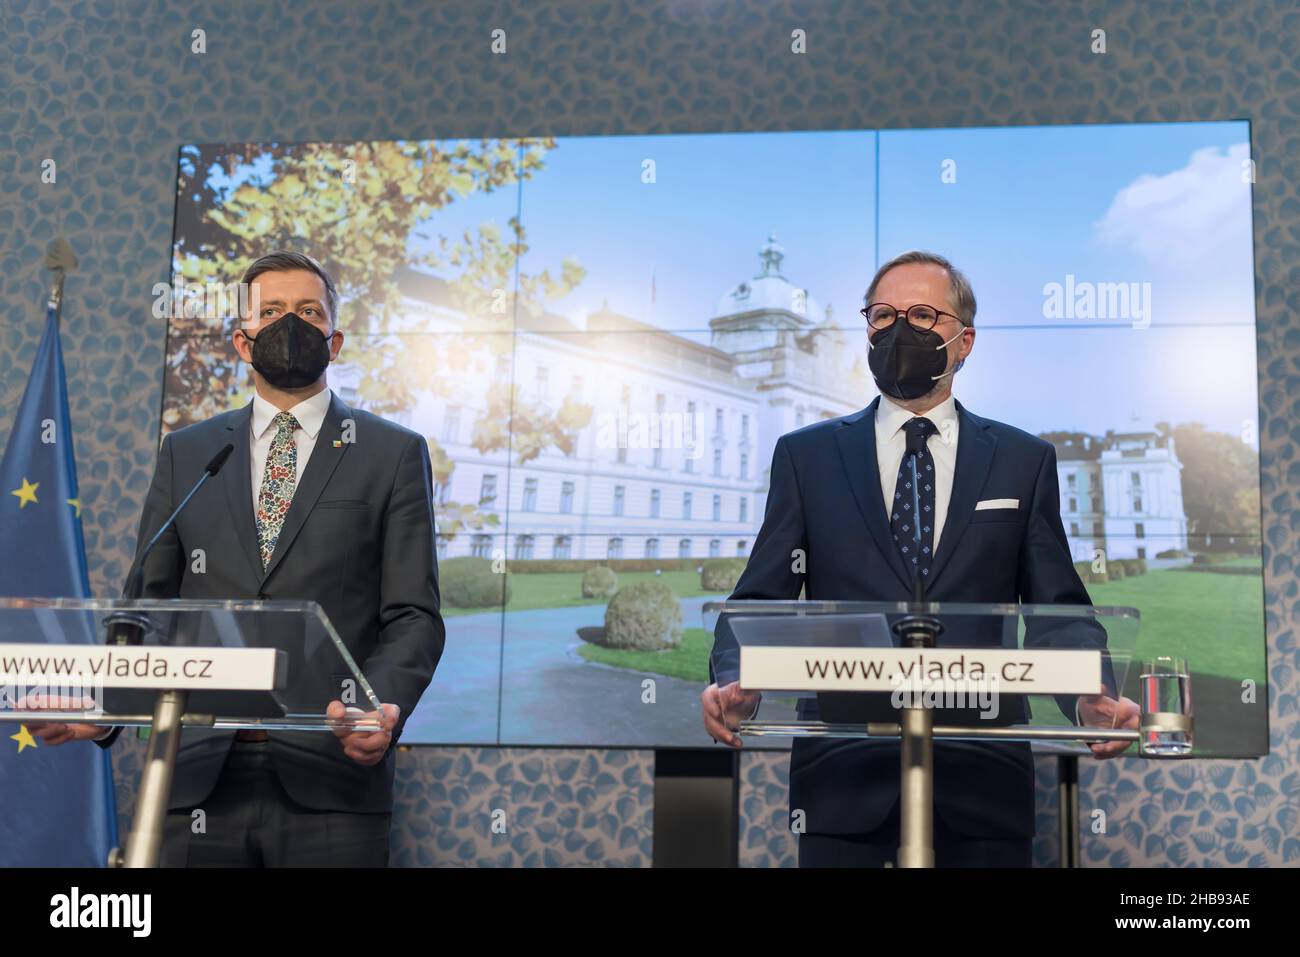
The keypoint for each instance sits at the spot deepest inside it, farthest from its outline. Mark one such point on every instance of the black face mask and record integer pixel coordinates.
(907, 362)
(290, 353)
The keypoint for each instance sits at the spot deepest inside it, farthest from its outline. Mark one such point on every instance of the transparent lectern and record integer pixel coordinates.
(174, 665)
(921, 672)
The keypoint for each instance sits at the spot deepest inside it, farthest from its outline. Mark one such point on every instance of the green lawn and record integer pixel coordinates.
(1236, 561)
(1214, 621)
(689, 660)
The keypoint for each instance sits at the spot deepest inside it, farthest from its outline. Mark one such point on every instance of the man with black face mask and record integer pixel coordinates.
(319, 502)
(994, 534)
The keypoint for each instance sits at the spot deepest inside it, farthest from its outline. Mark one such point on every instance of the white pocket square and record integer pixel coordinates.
(998, 503)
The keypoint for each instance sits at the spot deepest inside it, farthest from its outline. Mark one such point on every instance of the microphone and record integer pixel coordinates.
(218, 460)
(127, 628)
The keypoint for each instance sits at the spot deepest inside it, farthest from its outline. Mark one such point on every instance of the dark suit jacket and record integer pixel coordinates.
(824, 498)
(358, 539)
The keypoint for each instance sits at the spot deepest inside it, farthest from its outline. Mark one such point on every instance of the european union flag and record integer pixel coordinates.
(56, 803)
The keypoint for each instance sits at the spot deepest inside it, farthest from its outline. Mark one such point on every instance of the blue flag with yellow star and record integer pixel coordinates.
(56, 803)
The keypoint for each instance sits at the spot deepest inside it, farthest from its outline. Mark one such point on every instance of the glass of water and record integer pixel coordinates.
(1166, 707)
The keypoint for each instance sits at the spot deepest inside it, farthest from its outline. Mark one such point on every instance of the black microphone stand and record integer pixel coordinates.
(127, 627)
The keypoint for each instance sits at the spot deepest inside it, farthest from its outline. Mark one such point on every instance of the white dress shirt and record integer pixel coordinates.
(310, 414)
(891, 445)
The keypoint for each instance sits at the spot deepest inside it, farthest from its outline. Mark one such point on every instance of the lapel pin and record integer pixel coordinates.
(338, 443)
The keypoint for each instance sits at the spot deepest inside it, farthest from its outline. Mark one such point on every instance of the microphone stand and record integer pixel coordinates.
(129, 627)
(126, 627)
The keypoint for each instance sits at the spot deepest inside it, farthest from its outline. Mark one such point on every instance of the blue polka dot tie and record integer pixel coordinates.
(911, 517)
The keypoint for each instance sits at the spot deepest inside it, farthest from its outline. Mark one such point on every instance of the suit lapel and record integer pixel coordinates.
(325, 457)
(856, 437)
(237, 480)
(975, 447)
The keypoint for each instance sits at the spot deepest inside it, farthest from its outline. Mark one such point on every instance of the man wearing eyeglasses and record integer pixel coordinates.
(989, 531)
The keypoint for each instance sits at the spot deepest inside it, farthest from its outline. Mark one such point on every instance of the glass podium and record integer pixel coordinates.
(921, 672)
(176, 666)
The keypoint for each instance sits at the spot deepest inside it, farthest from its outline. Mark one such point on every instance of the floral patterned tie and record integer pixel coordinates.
(278, 482)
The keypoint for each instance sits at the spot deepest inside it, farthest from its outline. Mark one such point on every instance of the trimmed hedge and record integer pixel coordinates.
(1117, 569)
(1216, 569)
(721, 574)
(526, 566)
(470, 582)
(645, 616)
(1088, 576)
(599, 582)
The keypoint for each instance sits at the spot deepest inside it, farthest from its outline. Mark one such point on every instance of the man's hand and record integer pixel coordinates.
(59, 732)
(365, 747)
(1100, 711)
(724, 708)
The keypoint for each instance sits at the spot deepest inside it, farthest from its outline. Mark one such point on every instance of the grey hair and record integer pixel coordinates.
(286, 260)
(963, 296)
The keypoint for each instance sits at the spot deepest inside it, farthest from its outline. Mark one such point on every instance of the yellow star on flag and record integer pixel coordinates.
(27, 493)
(76, 503)
(24, 738)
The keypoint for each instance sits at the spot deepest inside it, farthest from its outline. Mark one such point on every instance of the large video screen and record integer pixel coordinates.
(602, 339)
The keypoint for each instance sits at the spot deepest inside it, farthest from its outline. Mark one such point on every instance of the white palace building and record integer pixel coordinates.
(674, 460)
(1123, 494)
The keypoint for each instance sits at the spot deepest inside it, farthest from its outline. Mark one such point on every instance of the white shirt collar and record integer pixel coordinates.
(891, 417)
(310, 413)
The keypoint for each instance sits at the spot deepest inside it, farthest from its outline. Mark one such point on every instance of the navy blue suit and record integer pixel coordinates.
(825, 499)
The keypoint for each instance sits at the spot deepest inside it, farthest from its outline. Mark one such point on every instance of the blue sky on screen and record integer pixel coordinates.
(1163, 204)
(1160, 204)
(699, 226)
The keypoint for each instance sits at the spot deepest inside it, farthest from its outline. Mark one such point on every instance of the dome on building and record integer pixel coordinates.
(769, 291)
(1137, 425)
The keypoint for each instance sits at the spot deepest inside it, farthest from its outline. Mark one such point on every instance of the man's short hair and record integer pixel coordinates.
(963, 296)
(285, 260)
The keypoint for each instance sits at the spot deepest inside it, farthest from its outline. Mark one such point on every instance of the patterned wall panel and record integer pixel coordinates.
(766, 839)
(523, 807)
(108, 89)
(496, 807)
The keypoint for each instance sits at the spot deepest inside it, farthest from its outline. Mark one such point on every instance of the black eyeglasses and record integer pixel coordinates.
(881, 315)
